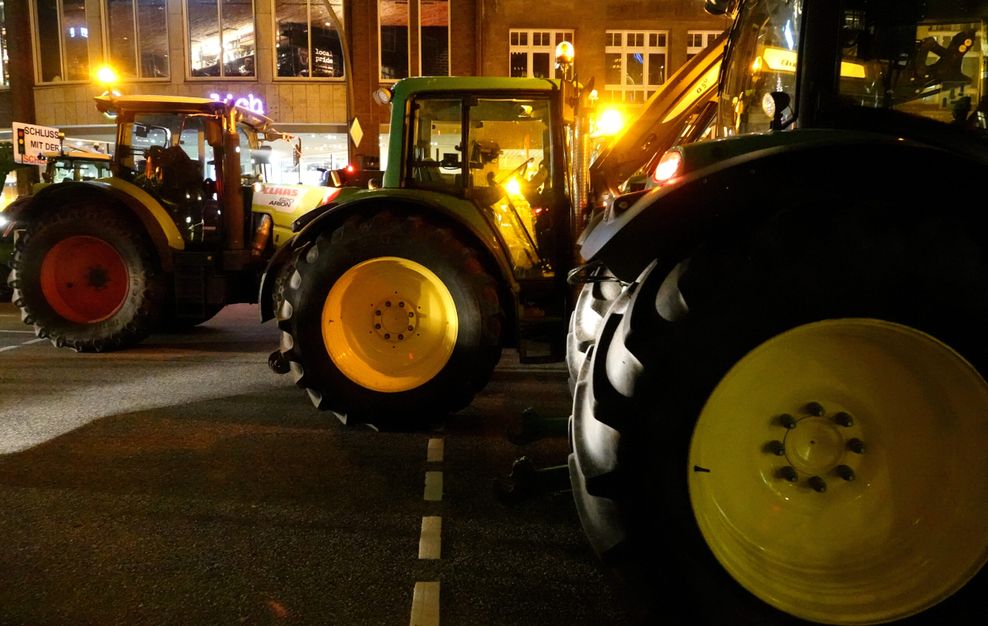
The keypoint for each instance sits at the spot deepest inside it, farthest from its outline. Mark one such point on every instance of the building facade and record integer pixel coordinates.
(312, 65)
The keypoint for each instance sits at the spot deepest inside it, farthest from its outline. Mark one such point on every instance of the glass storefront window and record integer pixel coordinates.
(221, 37)
(138, 37)
(66, 56)
(4, 58)
(434, 37)
(308, 43)
(393, 19)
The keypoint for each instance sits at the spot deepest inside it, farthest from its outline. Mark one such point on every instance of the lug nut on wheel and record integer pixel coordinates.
(817, 484)
(844, 419)
(775, 447)
(856, 446)
(815, 409)
(787, 420)
(788, 473)
(845, 472)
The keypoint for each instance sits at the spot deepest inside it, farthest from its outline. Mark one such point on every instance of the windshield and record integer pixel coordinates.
(921, 57)
(763, 58)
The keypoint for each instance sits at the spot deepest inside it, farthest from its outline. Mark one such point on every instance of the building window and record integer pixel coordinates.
(533, 52)
(697, 40)
(393, 20)
(64, 56)
(635, 64)
(308, 43)
(4, 57)
(138, 37)
(434, 37)
(221, 37)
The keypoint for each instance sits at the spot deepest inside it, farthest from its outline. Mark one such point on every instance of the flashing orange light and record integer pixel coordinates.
(668, 167)
(610, 122)
(106, 75)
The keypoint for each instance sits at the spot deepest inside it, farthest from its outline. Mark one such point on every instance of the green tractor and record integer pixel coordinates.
(401, 298)
(784, 415)
(185, 225)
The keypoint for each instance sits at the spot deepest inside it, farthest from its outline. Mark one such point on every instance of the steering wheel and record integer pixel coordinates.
(524, 165)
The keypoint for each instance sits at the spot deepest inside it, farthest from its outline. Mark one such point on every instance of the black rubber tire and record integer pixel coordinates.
(592, 303)
(457, 265)
(141, 310)
(638, 401)
(5, 290)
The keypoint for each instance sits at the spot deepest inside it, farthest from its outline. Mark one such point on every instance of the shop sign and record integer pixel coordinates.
(249, 102)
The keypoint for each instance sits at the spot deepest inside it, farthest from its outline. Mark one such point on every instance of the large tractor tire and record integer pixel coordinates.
(88, 279)
(392, 320)
(5, 290)
(790, 426)
(596, 296)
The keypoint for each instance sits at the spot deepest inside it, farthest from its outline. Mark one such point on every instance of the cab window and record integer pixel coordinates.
(925, 59)
(435, 156)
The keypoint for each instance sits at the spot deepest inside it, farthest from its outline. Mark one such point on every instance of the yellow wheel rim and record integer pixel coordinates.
(389, 324)
(838, 471)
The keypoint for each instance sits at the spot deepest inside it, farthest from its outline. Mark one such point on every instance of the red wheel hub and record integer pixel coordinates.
(84, 279)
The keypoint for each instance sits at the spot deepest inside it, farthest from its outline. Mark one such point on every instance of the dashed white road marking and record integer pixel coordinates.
(435, 450)
(425, 597)
(430, 540)
(433, 486)
(425, 604)
(26, 343)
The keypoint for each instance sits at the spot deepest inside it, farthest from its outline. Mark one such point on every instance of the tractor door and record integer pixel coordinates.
(168, 155)
(501, 159)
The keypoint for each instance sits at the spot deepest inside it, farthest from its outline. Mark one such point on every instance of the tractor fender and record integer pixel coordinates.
(157, 223)
(461, 215)
(740, 189)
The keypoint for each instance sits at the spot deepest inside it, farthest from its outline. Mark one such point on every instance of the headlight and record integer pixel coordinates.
(3, 221)
(669, 166)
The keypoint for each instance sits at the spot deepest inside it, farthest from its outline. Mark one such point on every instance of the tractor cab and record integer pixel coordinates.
(195, 156)
(896, 62)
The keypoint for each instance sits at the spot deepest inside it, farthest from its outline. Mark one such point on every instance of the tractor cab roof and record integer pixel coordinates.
(408, 87)
(180, 104)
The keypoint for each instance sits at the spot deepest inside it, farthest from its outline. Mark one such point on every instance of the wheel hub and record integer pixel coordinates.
(394, 320)
(84, 279)
(98, 277)
(817, 446)
(410, 333)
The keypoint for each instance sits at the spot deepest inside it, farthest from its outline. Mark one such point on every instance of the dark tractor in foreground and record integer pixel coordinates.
(784, 416)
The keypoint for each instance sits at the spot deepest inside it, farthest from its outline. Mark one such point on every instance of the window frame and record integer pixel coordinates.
(645, 49)
(449, 38)
(36, 46)
(189, 76)
(135, 49)
(380, 48)
(275, 36)
(4, 66)
(530, 49)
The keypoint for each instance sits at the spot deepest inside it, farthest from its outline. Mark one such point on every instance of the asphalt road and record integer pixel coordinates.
(182, 482)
